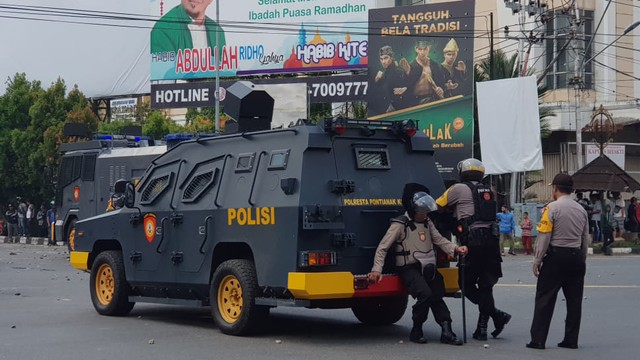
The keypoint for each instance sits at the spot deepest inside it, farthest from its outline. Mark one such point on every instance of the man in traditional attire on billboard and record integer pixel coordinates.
(390, 82)
(186, 27)
(425, 78)
(456, 77)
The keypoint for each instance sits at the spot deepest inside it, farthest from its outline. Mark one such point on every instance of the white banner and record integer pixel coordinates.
(614, 152)
(509, 125)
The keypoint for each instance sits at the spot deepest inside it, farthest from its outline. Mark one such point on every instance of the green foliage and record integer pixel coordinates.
(31, 123)
(114, 127)
(158, 125)
(319, 111)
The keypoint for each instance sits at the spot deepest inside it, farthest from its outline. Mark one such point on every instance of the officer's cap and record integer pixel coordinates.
(564, 180)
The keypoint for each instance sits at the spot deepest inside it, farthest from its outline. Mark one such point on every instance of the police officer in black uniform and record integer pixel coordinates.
(413, 237)
(474, 207)
(560, 263)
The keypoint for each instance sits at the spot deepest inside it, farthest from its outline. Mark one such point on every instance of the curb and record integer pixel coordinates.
(27, 240)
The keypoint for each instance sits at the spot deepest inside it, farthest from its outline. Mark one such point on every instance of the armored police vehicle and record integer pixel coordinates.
(248, 221)
(88, 171)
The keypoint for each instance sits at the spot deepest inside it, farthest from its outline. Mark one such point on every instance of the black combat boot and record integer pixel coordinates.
(500, 319)
(416, 335)
(448, 337)
(481, 330)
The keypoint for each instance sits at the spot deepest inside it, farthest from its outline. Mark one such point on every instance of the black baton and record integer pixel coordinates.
(462, 265)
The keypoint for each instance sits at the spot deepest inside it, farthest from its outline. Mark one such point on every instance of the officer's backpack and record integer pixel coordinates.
(484, 202)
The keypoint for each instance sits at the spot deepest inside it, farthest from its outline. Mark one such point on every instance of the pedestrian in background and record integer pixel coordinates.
(596, 206)
(560, 263)
(527, 237)
(619, 213)
(11, 219)
(51, 219)
(607, 224)
(29, 218)
(41, 222)
(631, 223)
(507, 228)
(22, 212)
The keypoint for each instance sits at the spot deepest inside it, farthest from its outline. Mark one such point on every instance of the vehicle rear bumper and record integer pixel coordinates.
(79, 260)
(342, 285)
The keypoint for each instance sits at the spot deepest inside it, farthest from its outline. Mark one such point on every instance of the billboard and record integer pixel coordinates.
(422, 69)
(123, 108)
(319, 89)
(259, 37)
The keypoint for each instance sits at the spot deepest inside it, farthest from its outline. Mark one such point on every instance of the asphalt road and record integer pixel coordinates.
(46, 313)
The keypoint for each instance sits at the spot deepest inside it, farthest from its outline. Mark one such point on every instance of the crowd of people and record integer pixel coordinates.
(609, 217)
(24, 220)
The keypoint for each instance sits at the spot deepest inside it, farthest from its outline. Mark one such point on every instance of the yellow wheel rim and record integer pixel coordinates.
(230, 299)
(105, 284)
(72, 239)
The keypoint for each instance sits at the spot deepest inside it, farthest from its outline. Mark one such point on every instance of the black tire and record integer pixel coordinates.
(70, 231)
(380, 310)
(110, 296)
(233, 314)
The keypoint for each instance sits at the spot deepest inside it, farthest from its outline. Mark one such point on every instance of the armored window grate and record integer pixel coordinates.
(155, 188)
(66, 172)
(245, 162)
(373, 158)
(198, 185)
(77, 167)
(89, 168)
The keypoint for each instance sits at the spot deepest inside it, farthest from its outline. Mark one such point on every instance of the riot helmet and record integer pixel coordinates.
(423, 203)
(471, 170)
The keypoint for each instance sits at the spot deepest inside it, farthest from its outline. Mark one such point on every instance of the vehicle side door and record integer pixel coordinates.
(195, 203)
(151, 232)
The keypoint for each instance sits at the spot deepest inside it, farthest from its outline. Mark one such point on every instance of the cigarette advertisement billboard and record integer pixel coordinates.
(257, 37)
(421, 68)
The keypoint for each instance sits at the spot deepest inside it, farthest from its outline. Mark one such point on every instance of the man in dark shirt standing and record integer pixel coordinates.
(390, 82)
(11, 219)
(560, 263)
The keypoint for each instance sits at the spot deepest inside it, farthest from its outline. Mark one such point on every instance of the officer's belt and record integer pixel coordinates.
(563, 250)
(402, 253)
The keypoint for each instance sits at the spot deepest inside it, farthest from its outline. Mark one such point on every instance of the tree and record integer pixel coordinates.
(31, 123)
(158, 125)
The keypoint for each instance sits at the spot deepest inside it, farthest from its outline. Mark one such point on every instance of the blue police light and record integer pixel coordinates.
(137, 139)
(104, 137)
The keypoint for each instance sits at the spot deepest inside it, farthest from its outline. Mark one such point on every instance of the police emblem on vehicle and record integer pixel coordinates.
(150, 227)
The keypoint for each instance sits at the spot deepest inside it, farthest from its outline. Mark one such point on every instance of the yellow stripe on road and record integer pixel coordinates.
(586, 286)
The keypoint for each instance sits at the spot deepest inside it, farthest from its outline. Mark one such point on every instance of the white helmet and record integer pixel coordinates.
(470, 170)
(423, 203)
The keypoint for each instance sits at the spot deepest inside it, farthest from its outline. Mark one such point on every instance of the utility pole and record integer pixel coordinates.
(217, 54)
(576, 30)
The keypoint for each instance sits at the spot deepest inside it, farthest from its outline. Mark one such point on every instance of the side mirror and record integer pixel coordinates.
(130, 195)
(120, 186)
